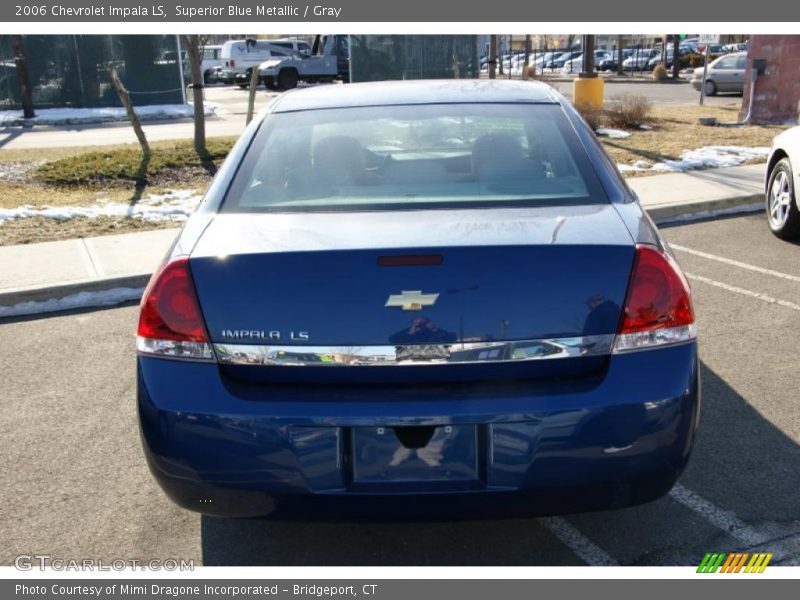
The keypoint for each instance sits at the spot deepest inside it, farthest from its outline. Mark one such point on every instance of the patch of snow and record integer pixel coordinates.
(71, 116)
(73, 301)
(612, 133)
(174, 205)
(709, 157)
(646, 127)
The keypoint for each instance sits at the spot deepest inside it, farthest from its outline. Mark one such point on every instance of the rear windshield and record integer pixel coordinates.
(433, 155)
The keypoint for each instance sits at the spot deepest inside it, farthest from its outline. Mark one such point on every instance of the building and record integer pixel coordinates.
(777, 86)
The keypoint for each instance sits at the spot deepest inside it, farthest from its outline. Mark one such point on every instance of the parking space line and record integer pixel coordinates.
(744, 292)
(582, 546)
(735, 263)
(721, 519)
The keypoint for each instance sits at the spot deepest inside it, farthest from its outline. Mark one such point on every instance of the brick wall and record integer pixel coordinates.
(777, 92)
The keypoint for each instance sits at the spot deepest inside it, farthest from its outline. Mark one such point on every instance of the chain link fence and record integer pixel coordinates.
(71, 70)
(382, 57)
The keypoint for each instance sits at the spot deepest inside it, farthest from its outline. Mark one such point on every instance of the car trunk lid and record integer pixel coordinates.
(411, 283)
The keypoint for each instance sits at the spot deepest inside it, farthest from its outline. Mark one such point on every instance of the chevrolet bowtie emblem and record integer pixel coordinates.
(412, 300)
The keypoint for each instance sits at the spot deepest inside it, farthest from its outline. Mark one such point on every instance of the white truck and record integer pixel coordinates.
(239, 57)
(328, 60)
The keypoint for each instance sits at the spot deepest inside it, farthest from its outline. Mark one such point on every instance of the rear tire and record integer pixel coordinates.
(711, 88)
(287, 79)
(783, 217)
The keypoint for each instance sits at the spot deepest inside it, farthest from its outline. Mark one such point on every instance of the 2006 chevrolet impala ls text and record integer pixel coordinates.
(417, 300)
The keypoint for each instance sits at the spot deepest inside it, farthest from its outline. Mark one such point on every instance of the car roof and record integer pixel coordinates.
(435, 91)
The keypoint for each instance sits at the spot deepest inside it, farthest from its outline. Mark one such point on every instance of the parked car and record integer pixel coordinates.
(725, 74)
(783, 181)
(212, 63)
(610, 63)
(543, 58)
(417, 298)
(656, 60)
(558, 61)
(713, 50)
(575, 65)
(740, 47)
(640, 59)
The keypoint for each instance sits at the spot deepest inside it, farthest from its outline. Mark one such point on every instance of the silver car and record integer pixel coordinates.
(725, 74)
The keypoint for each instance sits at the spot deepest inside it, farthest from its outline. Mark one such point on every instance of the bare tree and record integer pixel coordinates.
(141, 176)
(193, 53)
(25, 92)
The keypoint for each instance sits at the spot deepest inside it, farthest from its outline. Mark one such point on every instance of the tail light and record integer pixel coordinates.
(233, 63)
(170, 321)
(658, 307)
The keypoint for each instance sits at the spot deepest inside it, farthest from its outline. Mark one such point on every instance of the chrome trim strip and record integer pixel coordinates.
(512, 351)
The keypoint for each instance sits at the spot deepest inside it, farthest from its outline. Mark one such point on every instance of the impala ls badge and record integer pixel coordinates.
(250, 335)
(411, 300)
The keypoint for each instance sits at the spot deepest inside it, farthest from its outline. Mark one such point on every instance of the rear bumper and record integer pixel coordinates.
(226, 448)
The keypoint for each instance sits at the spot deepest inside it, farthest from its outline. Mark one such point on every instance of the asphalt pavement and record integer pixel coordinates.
(76, 485)
(232, 109)
(657, 93)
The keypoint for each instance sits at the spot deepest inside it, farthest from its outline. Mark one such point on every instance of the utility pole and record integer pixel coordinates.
(492, 56)
(620, 56)
(500, 66)
(527, 49)
(705, 73)
(25, 92)
(587, 89)
(676, 67)
(588, 57)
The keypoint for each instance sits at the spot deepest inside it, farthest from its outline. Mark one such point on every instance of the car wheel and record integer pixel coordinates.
(781, 203)
(711, 88)
(287, 79)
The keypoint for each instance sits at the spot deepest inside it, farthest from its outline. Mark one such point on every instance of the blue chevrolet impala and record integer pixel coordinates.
(424, 300)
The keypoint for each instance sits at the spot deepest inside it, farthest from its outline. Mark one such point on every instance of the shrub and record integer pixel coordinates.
(629, 111)
(660, 72)
(123, 163)
(529, 72)
(691, 60)
(592, 114)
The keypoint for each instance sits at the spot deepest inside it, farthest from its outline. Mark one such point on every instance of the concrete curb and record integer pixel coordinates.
(660, 214)
(701, 208)
(40, 294)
